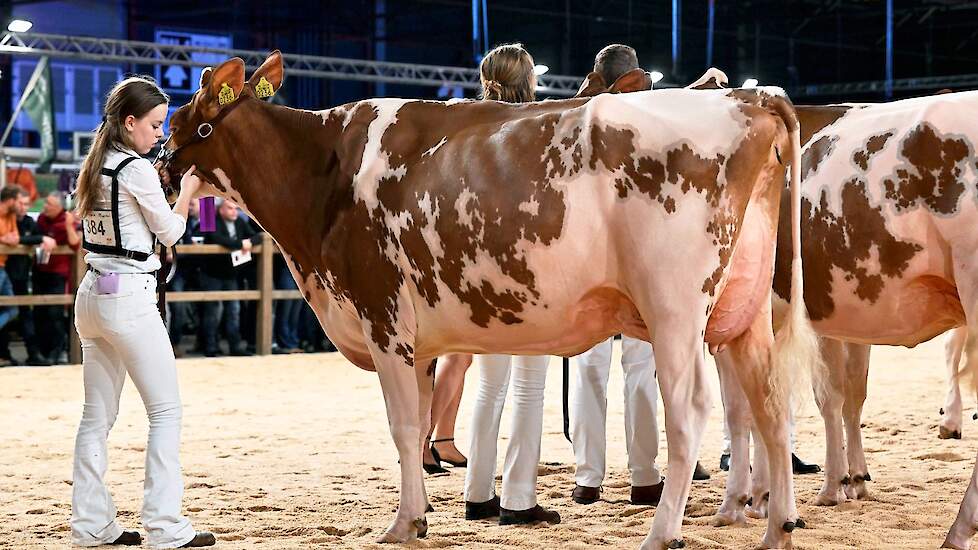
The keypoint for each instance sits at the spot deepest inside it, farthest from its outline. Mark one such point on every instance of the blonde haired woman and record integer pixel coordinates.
(507, 75)
(124, 212)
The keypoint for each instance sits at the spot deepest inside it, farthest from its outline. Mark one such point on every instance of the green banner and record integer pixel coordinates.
(38, 102)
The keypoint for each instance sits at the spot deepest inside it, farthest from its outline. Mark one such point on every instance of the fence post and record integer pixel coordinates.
(77, 272)
(265, 289)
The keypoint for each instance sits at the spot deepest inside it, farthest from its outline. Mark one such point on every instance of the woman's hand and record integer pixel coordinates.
(190, 183)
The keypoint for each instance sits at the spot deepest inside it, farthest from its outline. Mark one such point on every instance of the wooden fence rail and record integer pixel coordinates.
(264, 295)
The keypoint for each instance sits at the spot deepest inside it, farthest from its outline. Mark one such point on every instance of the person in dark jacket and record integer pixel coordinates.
(217, 272)
(19, 270)
(186, 278)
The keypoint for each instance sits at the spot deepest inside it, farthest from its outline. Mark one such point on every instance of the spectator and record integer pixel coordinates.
(286, 312)
(186, 277)
(19, 269)
(218, 273)
(52, 277)
(248, 280)
(10, 237)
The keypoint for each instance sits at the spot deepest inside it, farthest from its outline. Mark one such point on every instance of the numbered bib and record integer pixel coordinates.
(98, 228)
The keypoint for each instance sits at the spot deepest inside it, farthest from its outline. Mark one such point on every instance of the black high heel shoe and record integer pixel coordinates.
(435, 469)
(434, 452)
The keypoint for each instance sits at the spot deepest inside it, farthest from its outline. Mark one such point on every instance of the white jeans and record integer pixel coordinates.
(123, 333)
(589, 412)
(529, 375)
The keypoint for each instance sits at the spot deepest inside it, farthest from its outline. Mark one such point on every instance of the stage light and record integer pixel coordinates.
(19, 25)
(656, 76)
(540, 69)
(749, 83)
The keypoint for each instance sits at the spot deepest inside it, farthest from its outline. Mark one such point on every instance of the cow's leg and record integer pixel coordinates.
(830, 405)
(950, 426)
(752, 355)
(681, 371)
(425, 376)
(400, 382)
(736, 412)
(966, 523)
(857, 373)
(760, 481)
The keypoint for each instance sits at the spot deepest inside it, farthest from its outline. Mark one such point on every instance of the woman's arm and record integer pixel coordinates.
(144, 185)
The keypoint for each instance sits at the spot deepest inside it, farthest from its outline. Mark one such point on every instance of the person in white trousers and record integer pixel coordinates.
(518, 502)
(589, 413)
(123, 209)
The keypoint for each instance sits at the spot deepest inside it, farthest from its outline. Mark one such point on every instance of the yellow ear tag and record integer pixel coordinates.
(264, 88)
(226, 95)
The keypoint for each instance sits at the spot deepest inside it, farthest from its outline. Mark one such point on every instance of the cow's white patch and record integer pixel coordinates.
(231, 192)
(430, 210)
(465, 207)
(531, 207)
(376, 162)
(436, 147)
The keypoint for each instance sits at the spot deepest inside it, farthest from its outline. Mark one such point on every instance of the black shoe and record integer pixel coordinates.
(700, 473)
(38, 360)
(522, 517)
(128, 538)
(725, 462)
(800, 467)
(583, 494)
(438, 458)
(202, 538)
(648, 495)
(482, 510)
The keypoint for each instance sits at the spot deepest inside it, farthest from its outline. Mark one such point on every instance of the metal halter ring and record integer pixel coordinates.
(201, 130)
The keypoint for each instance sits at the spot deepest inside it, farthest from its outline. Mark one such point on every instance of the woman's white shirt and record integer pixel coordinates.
(143, 214)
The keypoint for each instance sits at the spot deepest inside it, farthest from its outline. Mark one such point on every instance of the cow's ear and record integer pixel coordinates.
(224, 86)
(593, 85)
(267, 79)
(205, 76)
(633, 81)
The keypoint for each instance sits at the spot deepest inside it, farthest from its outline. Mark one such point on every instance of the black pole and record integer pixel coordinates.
(566, 392)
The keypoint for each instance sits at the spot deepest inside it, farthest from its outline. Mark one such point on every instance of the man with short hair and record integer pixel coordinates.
(52, 277)
(615, 60)
(218, 273)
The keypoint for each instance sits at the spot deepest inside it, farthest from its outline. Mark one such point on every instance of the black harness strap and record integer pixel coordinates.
(116, 250)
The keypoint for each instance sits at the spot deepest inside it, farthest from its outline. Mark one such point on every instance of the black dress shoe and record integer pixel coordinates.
(725, 462)
(202, 538)
(648, 495)
(522, 517)
(434, 469)
(586, 495)
(700, 473)
(799, 466)
(128, 538)
(482, 510)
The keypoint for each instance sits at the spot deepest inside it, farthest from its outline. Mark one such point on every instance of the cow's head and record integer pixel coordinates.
(199, 129)
(632, 81)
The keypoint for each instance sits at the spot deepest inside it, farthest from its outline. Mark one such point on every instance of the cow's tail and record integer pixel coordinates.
(796, 355)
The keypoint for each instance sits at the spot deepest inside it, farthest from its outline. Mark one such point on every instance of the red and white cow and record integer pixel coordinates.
(418, 228)
(891, 257)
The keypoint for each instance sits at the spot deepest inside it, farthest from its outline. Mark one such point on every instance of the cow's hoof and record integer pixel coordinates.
(830, 497)
(430, 508)
(402, 531)
(676, 543)
(723, 519)
(945, 433)
(757, 507)
(788, 526)
(800, 524)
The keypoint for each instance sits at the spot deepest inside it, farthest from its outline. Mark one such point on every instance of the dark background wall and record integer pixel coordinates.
(793, 44)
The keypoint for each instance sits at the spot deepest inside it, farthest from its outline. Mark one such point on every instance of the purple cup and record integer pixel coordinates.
(207, 215)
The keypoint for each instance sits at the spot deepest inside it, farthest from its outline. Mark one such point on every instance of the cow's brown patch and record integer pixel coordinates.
(931, 175)
(873, 145)
(842, 241)
(815, 153)
(813, 118)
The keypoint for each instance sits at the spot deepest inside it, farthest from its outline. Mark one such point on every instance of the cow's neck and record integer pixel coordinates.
(284, 166)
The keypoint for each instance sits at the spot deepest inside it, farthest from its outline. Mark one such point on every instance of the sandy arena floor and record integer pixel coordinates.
(294, 452)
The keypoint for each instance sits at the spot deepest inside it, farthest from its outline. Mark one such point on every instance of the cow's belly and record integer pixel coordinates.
(908, 311)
